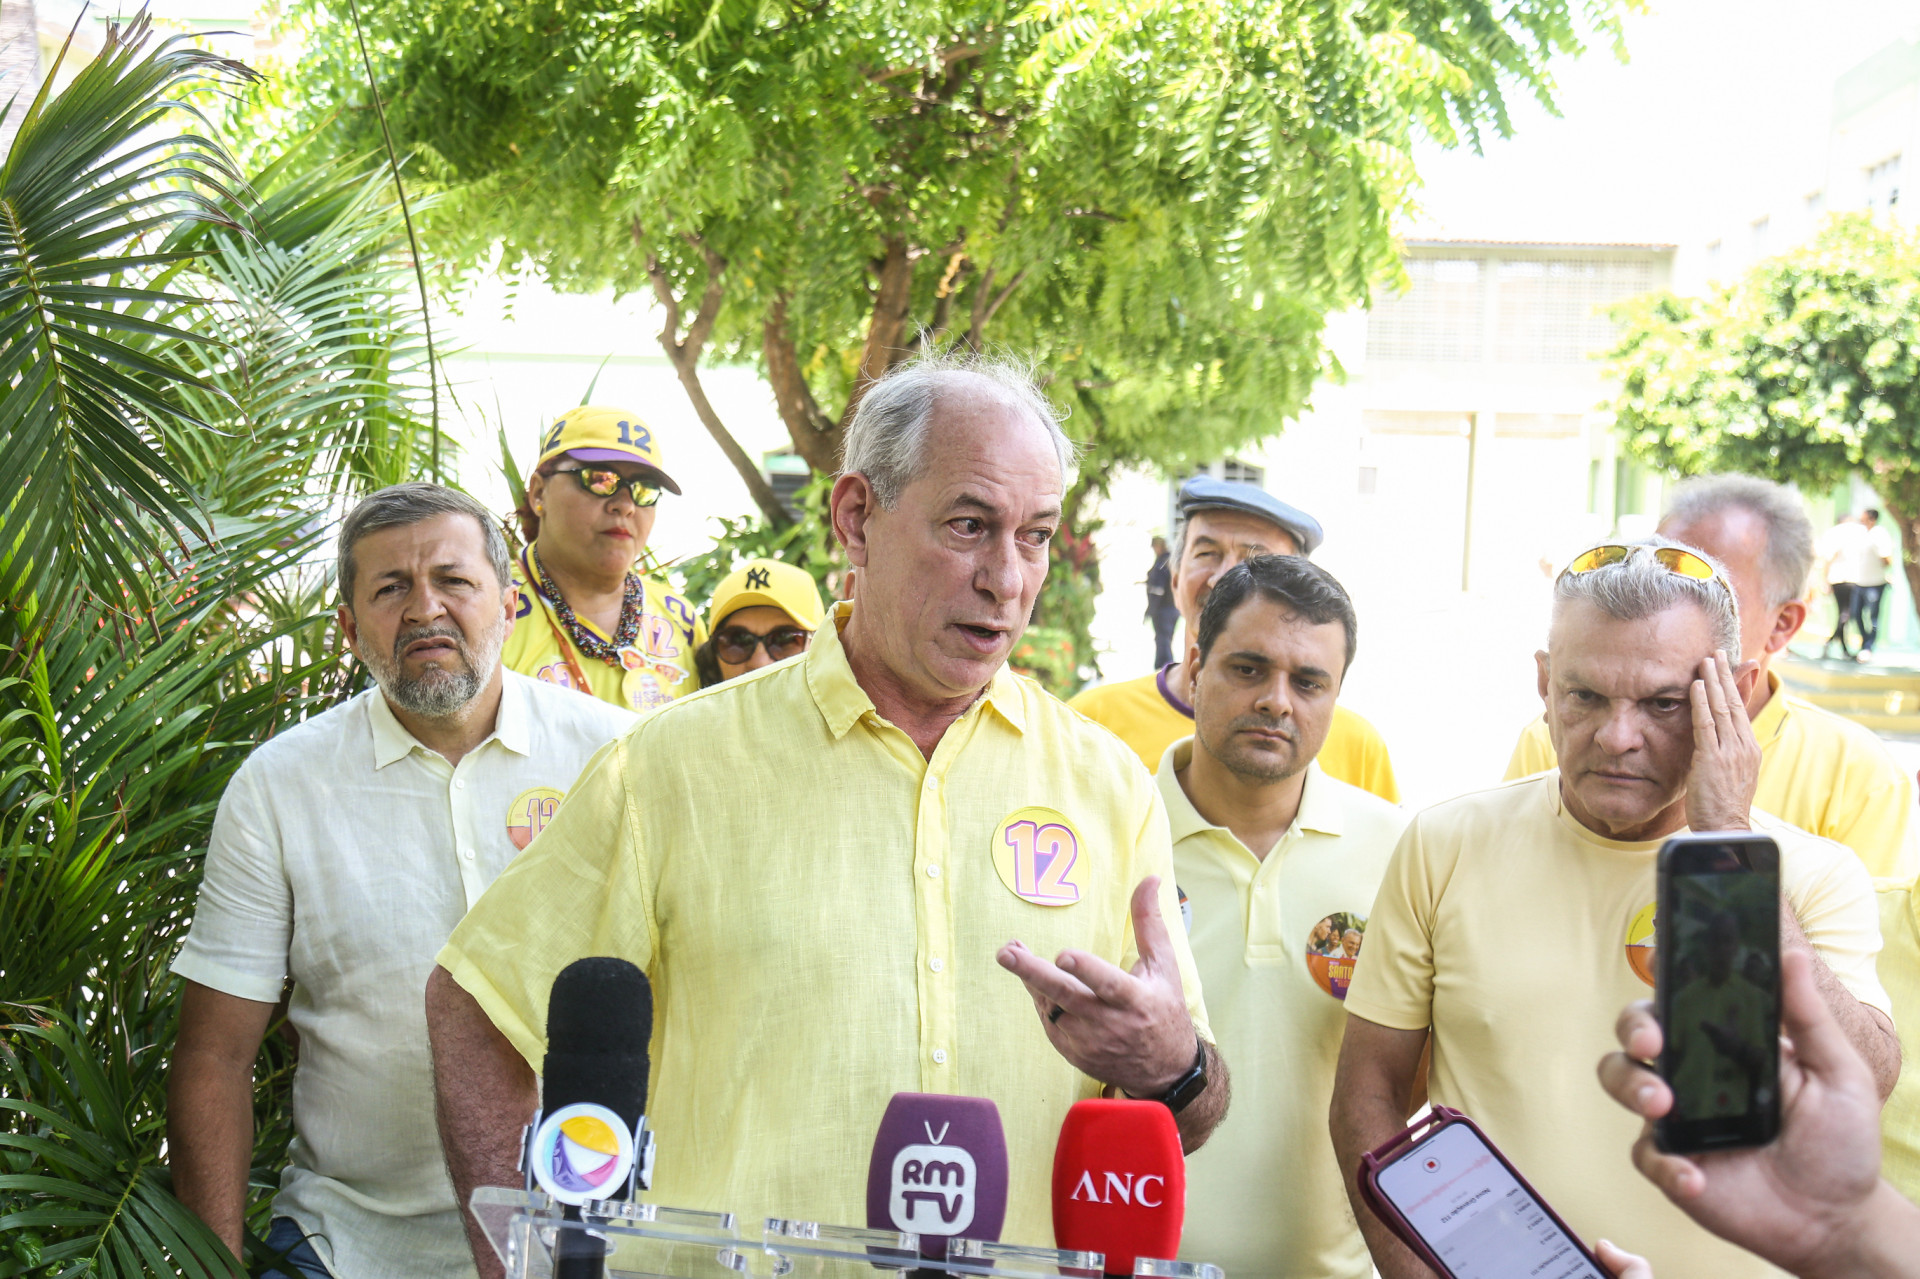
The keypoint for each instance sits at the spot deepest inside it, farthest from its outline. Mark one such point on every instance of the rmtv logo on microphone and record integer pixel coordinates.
(934, 1188)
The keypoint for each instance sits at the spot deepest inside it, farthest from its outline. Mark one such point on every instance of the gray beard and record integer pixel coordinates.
(439, 694)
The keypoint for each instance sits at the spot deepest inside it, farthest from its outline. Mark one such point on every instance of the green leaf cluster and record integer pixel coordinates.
(1156, 200)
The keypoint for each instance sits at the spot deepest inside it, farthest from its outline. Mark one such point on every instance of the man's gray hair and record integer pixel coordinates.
(1789, 556)
(1640, 586)
(402, 504)
(886, 441)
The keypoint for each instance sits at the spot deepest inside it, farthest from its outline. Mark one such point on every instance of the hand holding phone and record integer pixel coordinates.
(1464, 1210)
(1717, 989)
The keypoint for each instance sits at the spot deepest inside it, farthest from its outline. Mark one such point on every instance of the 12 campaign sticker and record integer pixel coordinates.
(581, 1153)
(1038, 855)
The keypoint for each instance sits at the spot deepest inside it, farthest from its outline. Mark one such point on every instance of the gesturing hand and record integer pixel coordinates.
(1795, 1201)
(1127, 1029)
(1726, 756)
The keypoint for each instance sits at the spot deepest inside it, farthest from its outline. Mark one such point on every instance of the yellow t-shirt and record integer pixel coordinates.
(1823, 773)
(819, 922)
(1518, 935)
(1900, 973)
(1146, 715)
(1265, 1195)
(656, 670)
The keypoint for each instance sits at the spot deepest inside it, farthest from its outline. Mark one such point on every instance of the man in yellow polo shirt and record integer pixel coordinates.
(824, 865)
(1821, 772)
(1223, 523)
(1900, 974)
(1278, 864)
(1507, 934)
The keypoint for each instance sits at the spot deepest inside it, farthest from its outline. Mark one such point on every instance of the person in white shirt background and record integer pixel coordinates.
(1857, 553)
(344, 852)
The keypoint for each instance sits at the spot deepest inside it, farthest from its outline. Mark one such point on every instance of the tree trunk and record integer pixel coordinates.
(684, 354)
(19, 64)
(1902, 498)
(815, 435)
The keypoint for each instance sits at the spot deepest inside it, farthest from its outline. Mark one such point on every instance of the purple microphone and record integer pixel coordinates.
(939, 1170)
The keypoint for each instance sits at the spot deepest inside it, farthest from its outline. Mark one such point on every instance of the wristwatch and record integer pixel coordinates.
(1188, 1086)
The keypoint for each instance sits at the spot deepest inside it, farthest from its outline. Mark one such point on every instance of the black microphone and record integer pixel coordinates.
(590, 1142)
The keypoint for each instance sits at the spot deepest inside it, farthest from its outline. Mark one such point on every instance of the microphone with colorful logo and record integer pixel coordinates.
(590, 1141)
(1119, 1182)
(939, 1170)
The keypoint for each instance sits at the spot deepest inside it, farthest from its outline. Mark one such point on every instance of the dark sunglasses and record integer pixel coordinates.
(735, 644)
(604, 483)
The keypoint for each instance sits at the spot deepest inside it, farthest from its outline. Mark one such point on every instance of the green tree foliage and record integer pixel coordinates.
(1804, 370)
(1157, 201)
(204, 368)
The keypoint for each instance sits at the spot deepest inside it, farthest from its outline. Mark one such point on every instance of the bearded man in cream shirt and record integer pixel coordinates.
(344, 852)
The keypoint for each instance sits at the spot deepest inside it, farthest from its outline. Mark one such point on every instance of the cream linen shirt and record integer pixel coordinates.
(1518, 935)
(1265, 1196)
(343, 854)
(818, 907)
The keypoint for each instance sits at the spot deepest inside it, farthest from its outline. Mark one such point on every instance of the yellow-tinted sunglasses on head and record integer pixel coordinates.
(1675, 559)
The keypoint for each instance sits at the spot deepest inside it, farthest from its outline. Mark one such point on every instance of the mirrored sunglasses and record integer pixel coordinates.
(603, 482)
(1676, 560)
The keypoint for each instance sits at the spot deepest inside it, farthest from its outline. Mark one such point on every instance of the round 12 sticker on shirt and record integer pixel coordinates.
(530, 812)
(1640, 939)
(1039, 856)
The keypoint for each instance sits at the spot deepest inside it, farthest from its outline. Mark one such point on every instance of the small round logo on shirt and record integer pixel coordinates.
(1038, 854)
(1640, 939)
(1333, 947)
(530, 812)
(582, 1152)
(1186, 909)
(556, 673)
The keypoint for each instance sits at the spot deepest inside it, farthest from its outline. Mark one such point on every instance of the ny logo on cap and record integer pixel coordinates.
(758, 579)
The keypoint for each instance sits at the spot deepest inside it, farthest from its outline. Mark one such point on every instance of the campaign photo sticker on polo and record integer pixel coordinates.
(1040, 857)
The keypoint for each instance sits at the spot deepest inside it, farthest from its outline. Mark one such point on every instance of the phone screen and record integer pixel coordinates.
(1474, 1214)
(1720, 996)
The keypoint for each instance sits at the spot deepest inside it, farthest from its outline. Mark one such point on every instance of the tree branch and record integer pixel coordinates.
(887, 325)
(813, 433)
(684, 354)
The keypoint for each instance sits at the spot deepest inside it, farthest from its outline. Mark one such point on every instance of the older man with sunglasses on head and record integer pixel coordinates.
(587, 618)
(1514, 922)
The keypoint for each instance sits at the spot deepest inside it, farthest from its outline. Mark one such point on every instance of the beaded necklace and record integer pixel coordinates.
(583, 637)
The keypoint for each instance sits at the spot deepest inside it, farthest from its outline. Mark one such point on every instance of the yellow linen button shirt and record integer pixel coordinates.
(1900, 974)
(1819, 771)
(1146, 715)
(1265, 1195)
(818, 907)
(656, 670)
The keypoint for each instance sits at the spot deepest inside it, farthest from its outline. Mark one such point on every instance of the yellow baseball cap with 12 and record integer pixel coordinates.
(768, 582)
(597, 433)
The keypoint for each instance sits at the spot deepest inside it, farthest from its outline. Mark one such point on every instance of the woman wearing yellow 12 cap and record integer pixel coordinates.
(764, 612)
(586, 619)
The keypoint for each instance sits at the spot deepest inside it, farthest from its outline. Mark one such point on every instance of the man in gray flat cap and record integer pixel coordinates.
(1222, 523)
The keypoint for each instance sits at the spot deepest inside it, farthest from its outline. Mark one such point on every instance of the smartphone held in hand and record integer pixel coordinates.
(1717, 991)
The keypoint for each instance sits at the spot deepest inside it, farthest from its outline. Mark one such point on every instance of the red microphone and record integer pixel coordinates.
(1119, 1182)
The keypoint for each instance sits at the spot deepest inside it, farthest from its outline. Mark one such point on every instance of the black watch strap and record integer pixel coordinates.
(1188, 1086)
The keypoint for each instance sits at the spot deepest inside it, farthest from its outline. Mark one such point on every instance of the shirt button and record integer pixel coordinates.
(467, 853)
(933, 783)
(936, 963)
(459, 783)
(933, 872)
(939, 1056)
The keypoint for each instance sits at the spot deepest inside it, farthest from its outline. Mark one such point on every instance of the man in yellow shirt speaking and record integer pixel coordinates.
(1821, 772)
(1279, 864)
(1505, 929)
(1222, 524)
(824, 865)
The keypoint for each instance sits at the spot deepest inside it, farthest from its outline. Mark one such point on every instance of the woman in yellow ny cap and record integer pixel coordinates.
(586, 619)
(764, 612)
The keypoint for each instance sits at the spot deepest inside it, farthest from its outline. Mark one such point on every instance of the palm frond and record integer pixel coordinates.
(92, 179)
